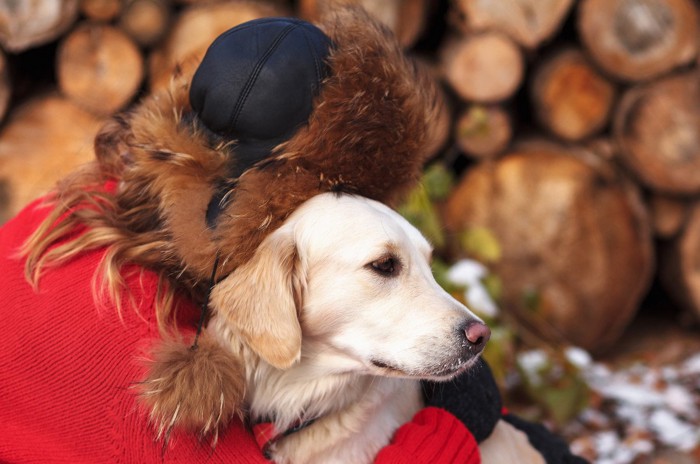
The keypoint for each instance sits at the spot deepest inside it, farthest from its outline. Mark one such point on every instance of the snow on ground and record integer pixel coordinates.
(636, 410)
(640, 408)
(470, 274)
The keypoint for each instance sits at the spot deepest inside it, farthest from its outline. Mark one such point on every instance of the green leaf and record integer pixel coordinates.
(420, 211)
(493, 285)
(479, 118)
(499, 351)
(560, 389)
(481, 243)
(438, 181)
(564, 402)
(532, 300)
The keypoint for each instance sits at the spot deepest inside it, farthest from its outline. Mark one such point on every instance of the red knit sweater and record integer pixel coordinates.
(66, 368)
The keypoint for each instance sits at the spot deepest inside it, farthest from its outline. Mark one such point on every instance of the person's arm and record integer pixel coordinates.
(434, 436)
(473, 398)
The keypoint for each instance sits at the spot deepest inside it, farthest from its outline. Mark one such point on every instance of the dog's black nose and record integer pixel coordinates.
(477, 335)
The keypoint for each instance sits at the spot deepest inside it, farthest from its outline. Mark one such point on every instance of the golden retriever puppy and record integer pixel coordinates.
(346, 284)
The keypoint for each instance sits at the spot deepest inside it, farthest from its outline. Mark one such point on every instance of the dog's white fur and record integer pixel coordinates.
(349, 342)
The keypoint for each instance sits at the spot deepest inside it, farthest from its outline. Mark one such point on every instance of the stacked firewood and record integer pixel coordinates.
(101, 55)
(575, 129)
(611, 162)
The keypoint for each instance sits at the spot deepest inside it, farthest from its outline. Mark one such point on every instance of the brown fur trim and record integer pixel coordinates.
(369, 134)
(199, 390)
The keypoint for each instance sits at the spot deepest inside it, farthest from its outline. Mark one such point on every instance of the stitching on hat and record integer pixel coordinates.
(248, 25)
(317, 65)
(256, 72)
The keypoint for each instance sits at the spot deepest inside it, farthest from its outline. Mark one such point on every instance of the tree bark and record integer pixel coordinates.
(571, 99)
(680, 265)
(668, 215)
(484, 68)
(602, 147)
(99, 67)
(406, 18)
(44, 139)
(5, 86)
(528, 22)
(483, 131)
(28, 23)
(574, 243)
(657, 128)
(639, 39)
(101, 10)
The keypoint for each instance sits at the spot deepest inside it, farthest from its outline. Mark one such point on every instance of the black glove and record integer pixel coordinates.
(553, 449)
(472, 397)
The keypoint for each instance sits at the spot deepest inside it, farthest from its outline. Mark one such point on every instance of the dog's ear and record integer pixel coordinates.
(260, 301)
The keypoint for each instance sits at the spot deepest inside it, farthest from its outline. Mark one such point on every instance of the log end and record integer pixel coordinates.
(99, 67)
(641, 39)
(484, 68)
(576, 250)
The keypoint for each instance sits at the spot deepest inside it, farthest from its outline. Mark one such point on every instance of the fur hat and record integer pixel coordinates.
(256, 84)
(372, 125)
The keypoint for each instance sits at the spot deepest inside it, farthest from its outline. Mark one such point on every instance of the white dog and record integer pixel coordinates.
(346, 282)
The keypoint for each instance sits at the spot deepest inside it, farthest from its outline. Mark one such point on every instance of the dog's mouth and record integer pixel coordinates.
(437, 373)
(449, 371)
(387, 368)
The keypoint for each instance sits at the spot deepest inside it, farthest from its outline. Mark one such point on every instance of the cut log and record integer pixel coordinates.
(668, 215)
(30, 23)
(571, 99)
(145, 21)
(5, 86)
(483, 68)
(101, 10)
(483, 131)
(99, 67)
(639, 39)
(680, 265)
(406, 18)
(602, 147)
(279, 3)
(575, 248)
(657, 128)
(528, 22)
(44, 140)
(196, 29)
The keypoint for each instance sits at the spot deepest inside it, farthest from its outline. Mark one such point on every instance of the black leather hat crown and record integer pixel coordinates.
(257, 82)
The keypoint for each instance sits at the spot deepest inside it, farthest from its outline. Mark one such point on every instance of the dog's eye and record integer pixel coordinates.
(386, 266)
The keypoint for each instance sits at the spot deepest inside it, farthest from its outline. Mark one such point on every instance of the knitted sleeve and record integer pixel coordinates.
(434, 436)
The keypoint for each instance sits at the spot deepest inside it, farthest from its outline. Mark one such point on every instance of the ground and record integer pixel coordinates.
(645, 403)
